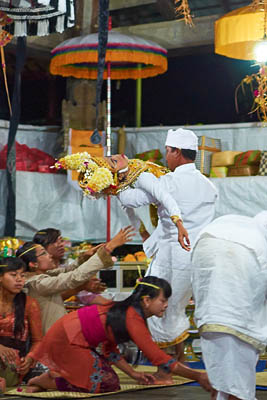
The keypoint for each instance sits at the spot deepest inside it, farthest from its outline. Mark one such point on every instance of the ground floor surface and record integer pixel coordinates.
(183, 392)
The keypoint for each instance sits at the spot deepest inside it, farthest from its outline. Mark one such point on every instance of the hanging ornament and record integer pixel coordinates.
(5, 38)
(184, 10)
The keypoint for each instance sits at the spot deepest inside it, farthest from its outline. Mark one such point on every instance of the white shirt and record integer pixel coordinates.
(193, 193)
(147, 184)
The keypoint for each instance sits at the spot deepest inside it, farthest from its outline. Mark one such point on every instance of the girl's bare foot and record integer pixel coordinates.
(43, 381)
(34, 389)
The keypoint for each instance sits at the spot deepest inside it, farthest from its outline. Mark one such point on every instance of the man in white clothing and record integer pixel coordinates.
(195, 195)
(229, 278)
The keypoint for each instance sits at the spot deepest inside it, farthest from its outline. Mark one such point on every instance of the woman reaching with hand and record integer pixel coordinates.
(69, 347)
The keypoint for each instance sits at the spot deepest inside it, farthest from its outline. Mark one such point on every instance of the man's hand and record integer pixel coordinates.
(183, 237)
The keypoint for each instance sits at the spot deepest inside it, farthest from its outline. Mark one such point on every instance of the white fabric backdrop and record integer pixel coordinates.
(47, 200)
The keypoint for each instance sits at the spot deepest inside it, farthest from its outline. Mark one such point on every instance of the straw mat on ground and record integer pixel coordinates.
(127, 385)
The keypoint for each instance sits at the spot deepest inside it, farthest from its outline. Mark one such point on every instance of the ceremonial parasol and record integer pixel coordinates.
(126, 57)
(131, 57)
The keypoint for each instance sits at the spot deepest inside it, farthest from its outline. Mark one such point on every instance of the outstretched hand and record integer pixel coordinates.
(144, 378)
(183, 237)
(124, 235)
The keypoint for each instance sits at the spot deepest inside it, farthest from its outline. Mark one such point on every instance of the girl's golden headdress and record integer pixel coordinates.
(96, 177)
(95, 173)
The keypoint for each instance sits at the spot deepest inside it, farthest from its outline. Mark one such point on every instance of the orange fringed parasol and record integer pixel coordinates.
(131, 57)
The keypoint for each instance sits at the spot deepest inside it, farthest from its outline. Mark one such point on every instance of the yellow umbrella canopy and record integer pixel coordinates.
(237, 32)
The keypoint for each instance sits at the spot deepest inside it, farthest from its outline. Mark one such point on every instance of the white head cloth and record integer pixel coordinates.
(182, 139)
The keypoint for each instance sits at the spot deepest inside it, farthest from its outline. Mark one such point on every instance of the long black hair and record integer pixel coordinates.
(19, 301)
(116, 316)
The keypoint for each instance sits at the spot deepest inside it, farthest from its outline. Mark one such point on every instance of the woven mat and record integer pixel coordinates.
(261, 379)
(127, 385)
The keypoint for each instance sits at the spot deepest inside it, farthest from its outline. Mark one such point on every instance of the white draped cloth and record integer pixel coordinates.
(38, 18)
(195, 195)
(229, 279)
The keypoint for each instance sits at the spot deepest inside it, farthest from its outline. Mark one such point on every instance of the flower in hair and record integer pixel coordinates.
(77, 162)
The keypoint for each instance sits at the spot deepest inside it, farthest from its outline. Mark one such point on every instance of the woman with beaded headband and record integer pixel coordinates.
(48, 284)
(101, 176)
(68, 348)
(20, 322)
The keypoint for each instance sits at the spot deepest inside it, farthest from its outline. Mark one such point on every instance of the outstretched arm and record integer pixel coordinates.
(143, 378)
(147, 191)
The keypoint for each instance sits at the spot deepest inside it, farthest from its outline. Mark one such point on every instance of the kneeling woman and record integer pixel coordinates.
(20, 322)
(69, 347)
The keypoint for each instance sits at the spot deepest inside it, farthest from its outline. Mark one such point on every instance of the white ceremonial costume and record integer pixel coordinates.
(148, 184)
(229, 279)
(195, 195)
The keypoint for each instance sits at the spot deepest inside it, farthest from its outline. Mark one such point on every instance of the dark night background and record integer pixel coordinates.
(196, 89)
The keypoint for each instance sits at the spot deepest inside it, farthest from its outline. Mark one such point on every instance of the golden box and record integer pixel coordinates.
(218, 172)
(223, 158)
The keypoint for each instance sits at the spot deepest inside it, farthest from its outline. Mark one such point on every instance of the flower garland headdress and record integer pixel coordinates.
(96, 177)
(94, 172)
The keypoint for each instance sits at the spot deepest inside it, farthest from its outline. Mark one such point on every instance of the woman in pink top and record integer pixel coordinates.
(69, 347)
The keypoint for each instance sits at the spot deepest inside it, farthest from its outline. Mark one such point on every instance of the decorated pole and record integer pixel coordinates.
(138, 106)
(108, 132)
(108, 142)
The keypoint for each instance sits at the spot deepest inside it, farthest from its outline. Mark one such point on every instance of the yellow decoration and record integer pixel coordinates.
(257, 84)
(237, 32)
(184, 10)
(11, 243)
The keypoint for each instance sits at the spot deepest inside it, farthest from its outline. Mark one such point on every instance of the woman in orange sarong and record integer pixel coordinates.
(69, 347)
